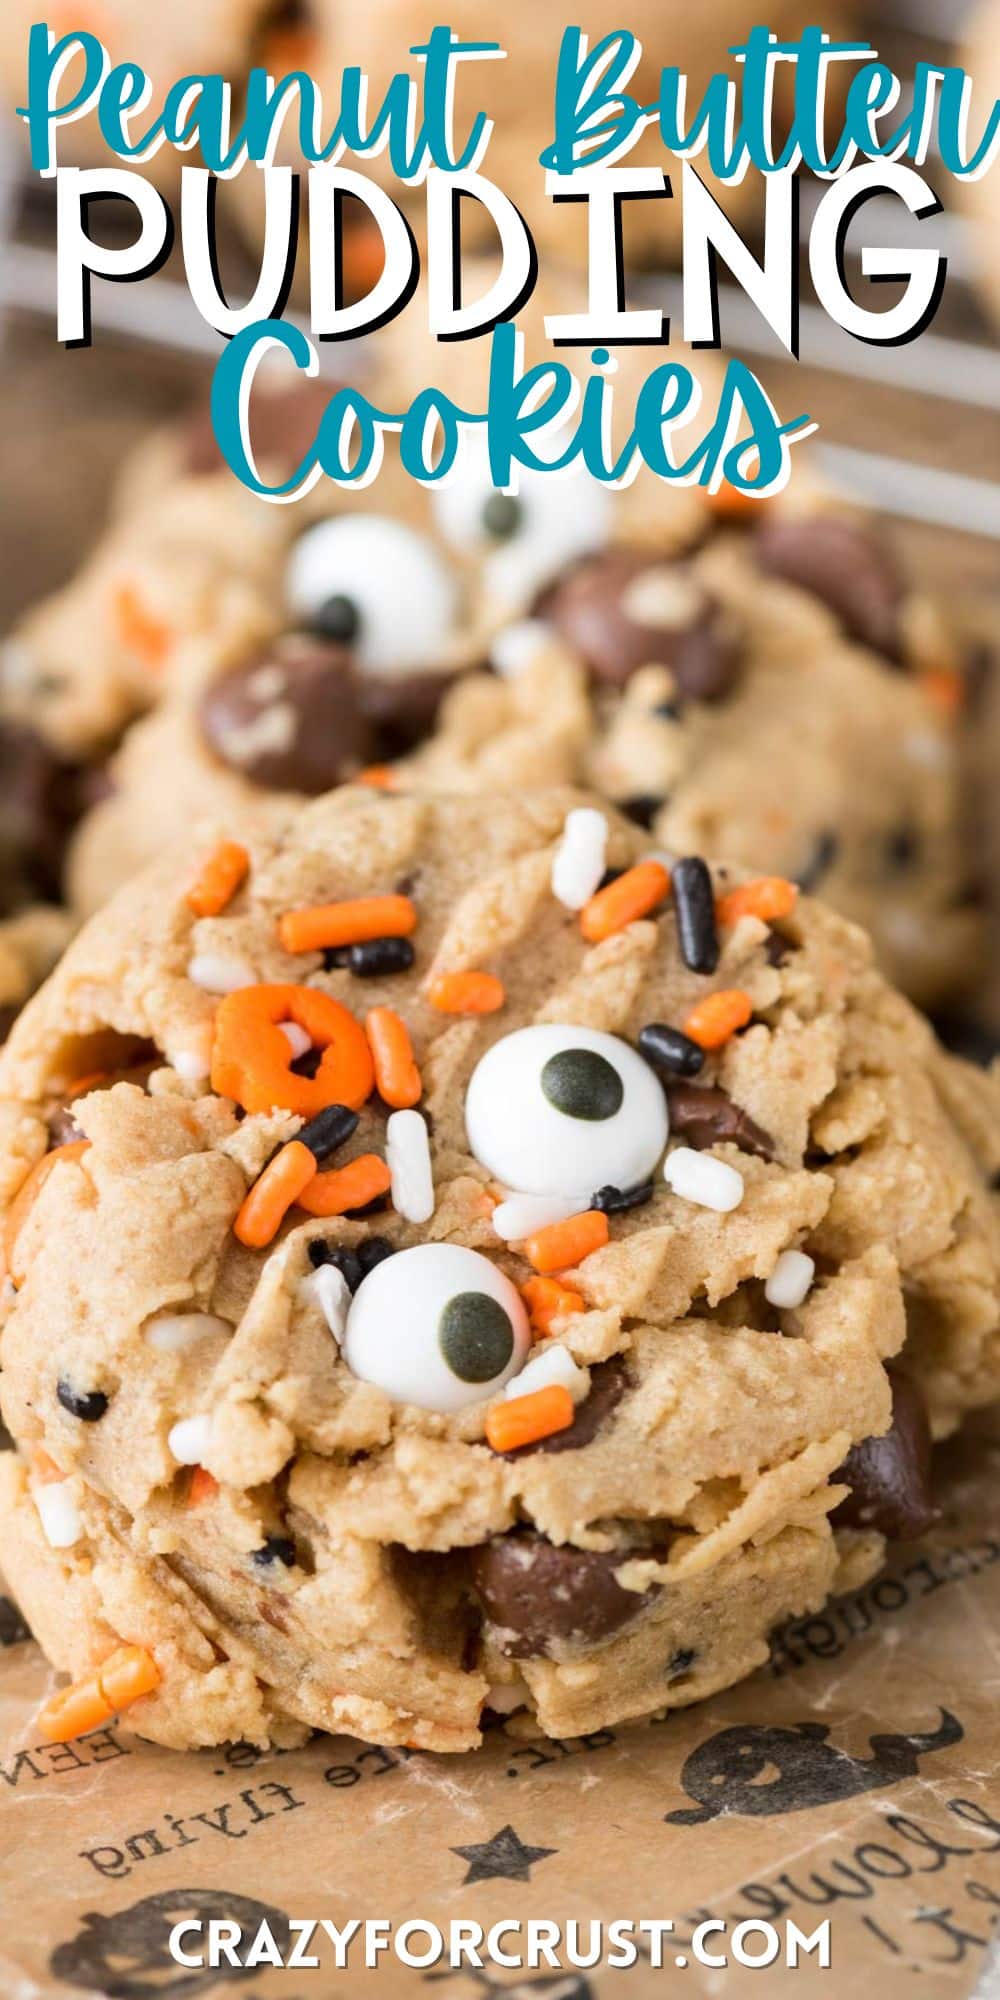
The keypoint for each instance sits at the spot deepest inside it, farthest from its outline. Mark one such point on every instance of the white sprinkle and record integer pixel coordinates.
(219, 974)
(514, 647)
(173, 1333)
(580, 857)
(296, 1037)
(521, 1214)
(550, 1364)
(791, 1278)
(189, 1440)
(330, 1290)
(190, 1066)
(408, 1155)
(58, 1513)
(701, 1178)
(923, 747)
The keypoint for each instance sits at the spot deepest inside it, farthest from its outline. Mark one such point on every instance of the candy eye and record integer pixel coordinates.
(559, 1110)
(377, 586)
(522, 539)
(436, 1326)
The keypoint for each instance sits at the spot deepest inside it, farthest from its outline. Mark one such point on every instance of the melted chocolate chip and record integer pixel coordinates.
(290, 718)
(38, 808)
(889, 1476)
(88, 1405)
(608, 608)
(608, 1383)
(283, 426)
(543, 1598)
(401, 708)
(703, 1115)
(841, 563)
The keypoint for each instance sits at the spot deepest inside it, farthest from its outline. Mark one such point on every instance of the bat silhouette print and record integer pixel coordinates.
(758, 1770)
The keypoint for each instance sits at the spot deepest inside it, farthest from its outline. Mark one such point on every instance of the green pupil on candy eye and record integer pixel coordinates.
(501, 516)
(475, 1337)
(582, 1084)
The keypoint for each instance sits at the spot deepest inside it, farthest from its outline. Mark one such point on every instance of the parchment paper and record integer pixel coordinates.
(856, 1778)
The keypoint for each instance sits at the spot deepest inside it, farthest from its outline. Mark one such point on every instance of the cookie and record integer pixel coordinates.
(391, 1338)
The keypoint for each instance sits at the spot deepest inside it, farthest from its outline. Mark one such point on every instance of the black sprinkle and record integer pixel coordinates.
(374, 1251)
(345, 1261)
(681, 1662)
(328, 1130)
(376, 1207)
(694, 901)
(277, 1548)
(669, 1052)
(643, 808)
(89, 1405)
(902, 848)
(820, 862)
(612, 1200)
(372, 957)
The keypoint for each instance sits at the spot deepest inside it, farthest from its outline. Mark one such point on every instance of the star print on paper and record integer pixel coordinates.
(504, 1856)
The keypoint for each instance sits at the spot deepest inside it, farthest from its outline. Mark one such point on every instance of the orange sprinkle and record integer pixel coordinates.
(769, 898)
(218, 879)
(718, 1016)
(729, 503)
(252, 1059)
(466, 993)
(362, 260)
(562, 1244)
(201, 1486)
(631, 895)
(283, 1181)
(944, 688)
(548, 1300)
(345, 1188)
(379, 777)
(148, 637)
(44, 1469)
(325, 925)
(525, 1419)
(26, 1196)
(397, 1078)
(128, 1674)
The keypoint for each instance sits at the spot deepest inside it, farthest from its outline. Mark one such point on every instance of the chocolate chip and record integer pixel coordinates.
(283, 426)
(608, 1383)
(290, 718)
(88, 1405)
(329, 1129)
(694, 902)
(623, 609)
(615, 1200)
(542, 1598)
(889, 1476)
(475, 1337)
(374, 1250)
(703, 1115)
(845, 566)
(668, 1051)
(276, 1548)
(582, 1084)
(374, 958)
(402, 708)
(644, 808)
(819, 864)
